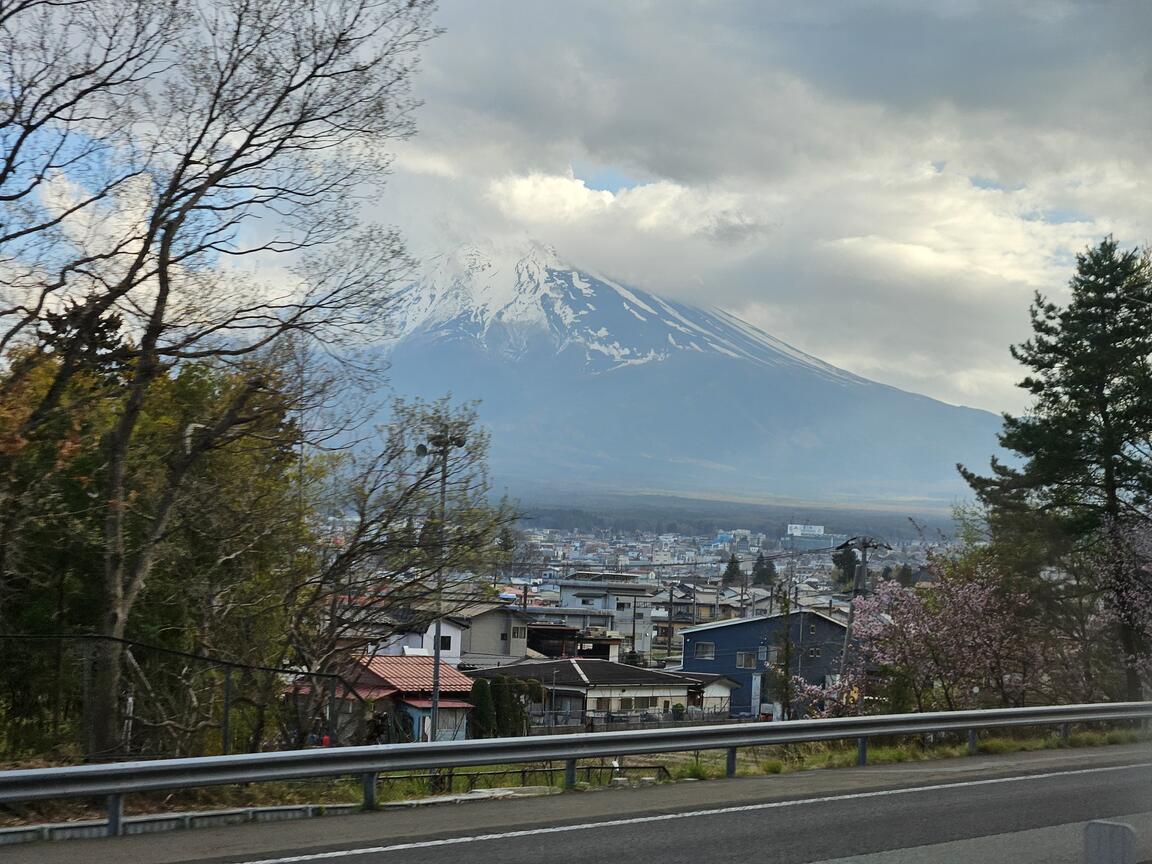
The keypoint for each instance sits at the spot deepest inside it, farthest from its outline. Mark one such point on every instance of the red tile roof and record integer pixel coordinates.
(414, 674)
(444, 703)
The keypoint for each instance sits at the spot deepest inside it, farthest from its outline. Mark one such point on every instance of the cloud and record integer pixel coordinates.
(883, 184)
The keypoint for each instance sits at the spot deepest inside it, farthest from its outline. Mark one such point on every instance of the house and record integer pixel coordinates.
(628, 602)
(753, 651)
(555, 631)
(401, 688)
(589, 692)
(493, 634)
(416, 639)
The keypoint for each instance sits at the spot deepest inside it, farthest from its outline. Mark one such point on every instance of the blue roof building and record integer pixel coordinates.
(751, 652)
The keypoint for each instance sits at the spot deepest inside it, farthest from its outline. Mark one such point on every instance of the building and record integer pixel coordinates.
(628, 603)
(590, 693)
(753, 651)
(402, 687)
(808, 538)
(493, 634)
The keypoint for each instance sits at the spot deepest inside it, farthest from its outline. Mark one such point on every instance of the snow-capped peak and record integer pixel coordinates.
(512, 302)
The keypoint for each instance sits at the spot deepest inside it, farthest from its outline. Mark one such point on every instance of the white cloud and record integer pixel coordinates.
(882, 184)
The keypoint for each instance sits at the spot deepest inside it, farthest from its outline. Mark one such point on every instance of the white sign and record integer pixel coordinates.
(806, 530)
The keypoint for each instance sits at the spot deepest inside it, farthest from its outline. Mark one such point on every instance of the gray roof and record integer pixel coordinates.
(729, 622)
(586, 672)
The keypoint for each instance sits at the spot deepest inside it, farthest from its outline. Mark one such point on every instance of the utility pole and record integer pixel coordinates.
(441, 445)
(859, 588)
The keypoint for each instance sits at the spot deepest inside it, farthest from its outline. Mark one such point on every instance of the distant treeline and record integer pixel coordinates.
(659, 515)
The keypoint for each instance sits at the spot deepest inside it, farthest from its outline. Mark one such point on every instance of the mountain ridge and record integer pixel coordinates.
(588, 384)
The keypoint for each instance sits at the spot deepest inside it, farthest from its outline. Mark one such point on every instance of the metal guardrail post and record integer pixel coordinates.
(1065, 730)
(369, 783)
(569, 773)
(115, 808)
(730, 764)
(973, 744)
(861, 751)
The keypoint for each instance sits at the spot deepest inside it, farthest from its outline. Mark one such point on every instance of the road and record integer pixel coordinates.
(1018, 809)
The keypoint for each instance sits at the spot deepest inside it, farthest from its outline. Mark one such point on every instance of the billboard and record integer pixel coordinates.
(806, 530)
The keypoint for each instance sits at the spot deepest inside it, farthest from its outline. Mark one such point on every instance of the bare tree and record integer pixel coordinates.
(385, 563)
(208, 134)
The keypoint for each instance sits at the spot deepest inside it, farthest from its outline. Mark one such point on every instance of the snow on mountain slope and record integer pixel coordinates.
(589, 384)
(510, 306)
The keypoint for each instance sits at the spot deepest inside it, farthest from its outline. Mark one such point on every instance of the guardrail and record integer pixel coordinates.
(115, 780)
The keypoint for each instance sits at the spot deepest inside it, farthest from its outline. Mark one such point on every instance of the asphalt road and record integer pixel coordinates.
(1016, 810)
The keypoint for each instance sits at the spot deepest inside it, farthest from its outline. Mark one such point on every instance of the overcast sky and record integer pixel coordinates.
(882, 184)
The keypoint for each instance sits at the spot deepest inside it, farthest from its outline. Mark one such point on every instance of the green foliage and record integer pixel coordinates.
(732, 572)
(844, 563)
(764, 571)
(694, 770)
(1083, 449)
(511, 718)
(1091, 382)
(483, 710)
(270, 556)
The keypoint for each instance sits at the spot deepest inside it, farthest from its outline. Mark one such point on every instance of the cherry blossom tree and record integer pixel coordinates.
(961, 642)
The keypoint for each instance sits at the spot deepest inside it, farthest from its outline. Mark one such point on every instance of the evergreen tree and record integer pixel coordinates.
(844, 562)
(483, 709)
(732, 573)
(905, 577)
(764, 571)
(509, 709)
(1084, 442)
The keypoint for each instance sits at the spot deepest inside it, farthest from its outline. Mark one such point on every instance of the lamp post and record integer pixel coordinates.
(440, 444)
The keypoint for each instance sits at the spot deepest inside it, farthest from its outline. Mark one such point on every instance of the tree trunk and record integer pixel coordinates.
(103, 704)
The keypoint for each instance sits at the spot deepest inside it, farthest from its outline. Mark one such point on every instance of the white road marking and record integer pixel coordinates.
(664, 817)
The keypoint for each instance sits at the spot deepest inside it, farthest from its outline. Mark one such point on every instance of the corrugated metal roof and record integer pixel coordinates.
(414, 674)
(729, 622)
(585, 672)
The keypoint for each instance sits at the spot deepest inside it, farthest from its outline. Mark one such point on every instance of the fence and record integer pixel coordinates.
(117, 780)
(542, 722)
(173, 703)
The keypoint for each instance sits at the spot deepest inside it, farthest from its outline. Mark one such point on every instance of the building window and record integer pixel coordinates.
(588, 601)
(773, 657)
(445, 643)
(621, 605)
(745, 659)
(813, 652)
(503, 637)
(705, 651)
(625, 703)
(811, 629)
(519, 632)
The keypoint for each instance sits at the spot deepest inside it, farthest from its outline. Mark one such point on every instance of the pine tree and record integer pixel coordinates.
(1084, 442)
(732, 573)
(763, 571)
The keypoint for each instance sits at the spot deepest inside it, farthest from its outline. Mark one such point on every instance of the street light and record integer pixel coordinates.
(441, 445)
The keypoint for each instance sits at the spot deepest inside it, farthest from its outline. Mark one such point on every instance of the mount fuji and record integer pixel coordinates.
(591, 386)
